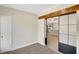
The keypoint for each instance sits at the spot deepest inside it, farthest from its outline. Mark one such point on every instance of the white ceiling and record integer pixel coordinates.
(32, 8)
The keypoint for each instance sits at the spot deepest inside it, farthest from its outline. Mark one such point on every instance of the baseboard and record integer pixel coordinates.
(23, 46)
(41, 43)
(19, 47)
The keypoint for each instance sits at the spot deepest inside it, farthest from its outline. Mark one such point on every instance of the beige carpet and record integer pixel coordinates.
(52, 41)
(33, 49)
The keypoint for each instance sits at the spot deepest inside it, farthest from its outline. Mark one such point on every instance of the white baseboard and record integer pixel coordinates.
(23, 46)
(42, 43)
(14, 48)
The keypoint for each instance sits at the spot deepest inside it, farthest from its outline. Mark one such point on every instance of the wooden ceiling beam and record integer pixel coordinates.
(64, 11)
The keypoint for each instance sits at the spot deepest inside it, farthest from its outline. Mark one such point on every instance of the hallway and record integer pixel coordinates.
(53, 41)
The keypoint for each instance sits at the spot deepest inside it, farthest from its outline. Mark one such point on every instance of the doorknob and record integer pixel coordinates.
(1, 36)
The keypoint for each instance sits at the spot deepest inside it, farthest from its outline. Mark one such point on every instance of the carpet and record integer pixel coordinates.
(33, 49)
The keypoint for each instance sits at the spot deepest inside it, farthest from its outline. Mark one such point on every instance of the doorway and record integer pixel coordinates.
(5, 33)
(61, 33)
(52, 33)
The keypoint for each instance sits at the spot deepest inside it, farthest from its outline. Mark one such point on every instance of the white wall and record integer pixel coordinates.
(41, 31)
(77, 32)
(24, 25)
(24, 30)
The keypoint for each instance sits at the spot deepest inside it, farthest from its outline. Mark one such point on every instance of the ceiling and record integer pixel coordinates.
(32, 8)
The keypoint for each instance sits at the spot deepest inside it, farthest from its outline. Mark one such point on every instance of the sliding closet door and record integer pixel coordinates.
(63, 31)
(67, 34)
(72, 29)
(5, 34)
(52, 34)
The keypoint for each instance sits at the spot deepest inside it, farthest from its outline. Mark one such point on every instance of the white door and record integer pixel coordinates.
(5, 33)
